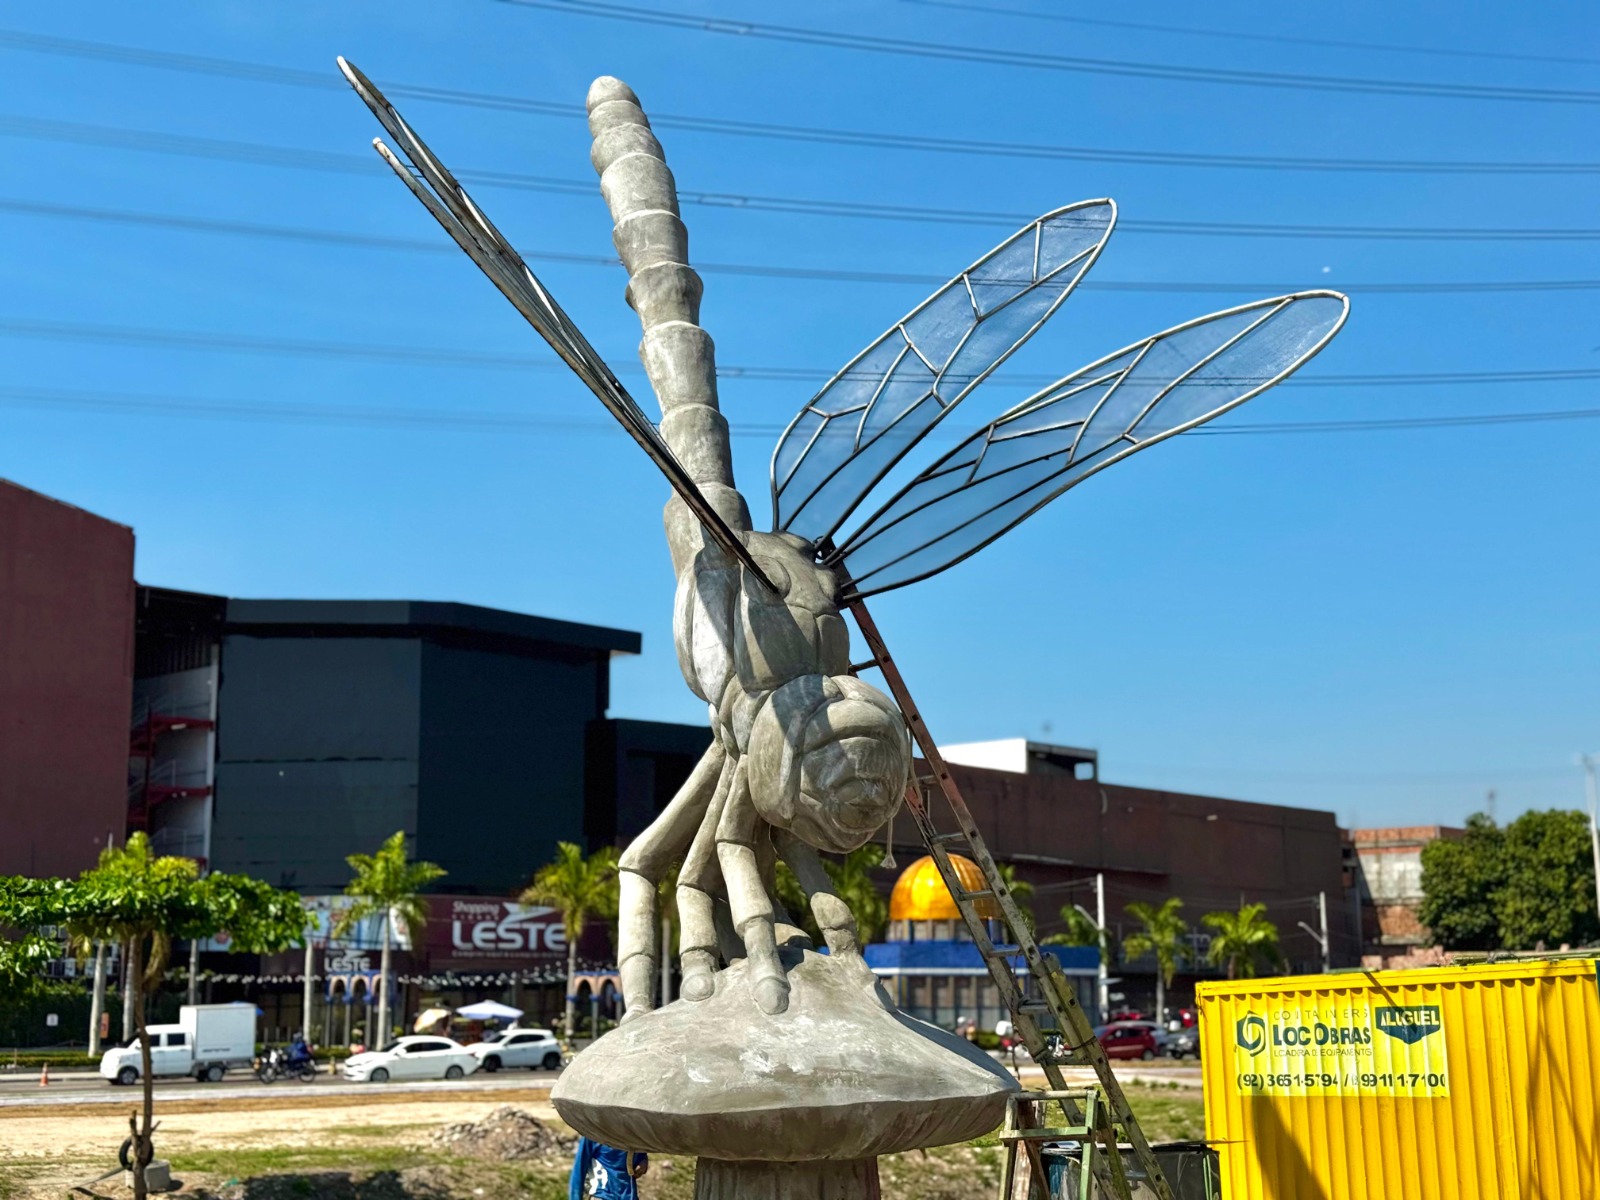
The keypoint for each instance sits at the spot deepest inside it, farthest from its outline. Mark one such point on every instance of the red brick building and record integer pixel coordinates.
(1389, 887)
(66, 680)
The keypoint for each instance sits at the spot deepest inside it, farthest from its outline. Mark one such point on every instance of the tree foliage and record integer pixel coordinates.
(1244, 942)
(1080, 930)
(579, 886)
(1512, 887)
(1161, 934)
(1021, 893)
(388, 884)
(852, 881)
(143, 902)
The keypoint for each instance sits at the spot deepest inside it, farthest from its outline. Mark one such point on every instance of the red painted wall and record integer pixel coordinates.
(66, 681)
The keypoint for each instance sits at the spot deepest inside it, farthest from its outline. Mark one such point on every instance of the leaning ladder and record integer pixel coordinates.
(1051, 995)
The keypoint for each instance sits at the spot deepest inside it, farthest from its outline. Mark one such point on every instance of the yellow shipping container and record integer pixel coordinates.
(1442, 1083)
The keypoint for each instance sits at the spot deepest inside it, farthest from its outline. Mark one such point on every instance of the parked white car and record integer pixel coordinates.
(417, 1057)
(536, 1049)
(207, 1040)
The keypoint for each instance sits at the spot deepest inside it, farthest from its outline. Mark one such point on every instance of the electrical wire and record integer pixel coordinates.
(178, 339)
(907, 47)
(467, 421)
(248, 229)
(323, 160)
(1237, 35)
(732, 127)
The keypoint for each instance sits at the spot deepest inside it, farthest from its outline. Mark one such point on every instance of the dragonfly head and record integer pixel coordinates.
(829, 757)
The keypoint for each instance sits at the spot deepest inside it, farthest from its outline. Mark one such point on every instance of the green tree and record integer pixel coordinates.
(1021, 892)
(1511, 887)
(1081, 930)
(143, 902)
(580, 887)
(1161, 933)
(387, 885)
(852, 881)
(1244, 941)
(1459, 879)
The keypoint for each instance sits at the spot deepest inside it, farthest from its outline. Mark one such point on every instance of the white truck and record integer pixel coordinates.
(207, 1040)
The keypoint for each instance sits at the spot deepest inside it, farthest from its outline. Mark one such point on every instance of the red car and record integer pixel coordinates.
(1129, 1040)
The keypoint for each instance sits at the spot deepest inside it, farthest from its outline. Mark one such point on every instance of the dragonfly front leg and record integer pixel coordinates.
(698, 881)
(833, 915)
(641, 868)
(748, 897)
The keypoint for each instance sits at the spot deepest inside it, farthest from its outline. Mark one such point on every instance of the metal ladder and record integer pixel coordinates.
(1050, 994)
(1095, 1126)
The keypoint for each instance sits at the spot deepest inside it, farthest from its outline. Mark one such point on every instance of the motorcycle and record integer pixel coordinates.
(277, 1063)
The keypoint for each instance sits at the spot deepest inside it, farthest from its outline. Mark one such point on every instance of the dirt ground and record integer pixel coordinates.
(356, 1148)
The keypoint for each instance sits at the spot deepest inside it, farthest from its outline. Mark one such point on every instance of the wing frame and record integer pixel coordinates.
(1082, 262)
(470, 228)
(836, 558)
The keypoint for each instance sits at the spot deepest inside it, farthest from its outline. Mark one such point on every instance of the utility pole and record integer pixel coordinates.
(1100, 920)
(194, 969)
(1322, 911)
(1320, 938)
(1588, 762)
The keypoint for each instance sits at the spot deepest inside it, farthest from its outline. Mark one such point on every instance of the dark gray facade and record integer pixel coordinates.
(342, 722)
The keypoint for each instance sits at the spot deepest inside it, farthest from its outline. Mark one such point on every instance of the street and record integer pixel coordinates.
(86, 1088)
(22, 1091)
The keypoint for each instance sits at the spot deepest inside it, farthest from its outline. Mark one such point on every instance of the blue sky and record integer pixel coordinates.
(1387, 624)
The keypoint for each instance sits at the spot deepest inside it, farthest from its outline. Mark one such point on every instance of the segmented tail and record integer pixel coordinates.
(665, 291)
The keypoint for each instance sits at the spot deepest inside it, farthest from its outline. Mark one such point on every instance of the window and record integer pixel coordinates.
(177, 1039)
(518, 1040)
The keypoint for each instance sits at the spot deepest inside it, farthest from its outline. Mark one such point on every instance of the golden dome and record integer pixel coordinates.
(920, 894)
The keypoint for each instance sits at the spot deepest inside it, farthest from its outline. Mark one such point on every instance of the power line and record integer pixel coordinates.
(178, 339)
(249, 229)
(466, 421)
(322, 160)
(906, 47)
(1236, 35)
(724, 126)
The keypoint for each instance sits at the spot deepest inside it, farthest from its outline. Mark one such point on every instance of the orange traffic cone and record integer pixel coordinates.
(44, 1076)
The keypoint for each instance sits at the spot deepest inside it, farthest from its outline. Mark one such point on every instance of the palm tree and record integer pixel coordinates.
(851, 877)
(1080, 929)
(1161, 933)
(1021, 892)
(580, 887)
(387, 884)
(1243, 940)
(852, 882)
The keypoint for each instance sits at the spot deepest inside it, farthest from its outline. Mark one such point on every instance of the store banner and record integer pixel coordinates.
(466, 930)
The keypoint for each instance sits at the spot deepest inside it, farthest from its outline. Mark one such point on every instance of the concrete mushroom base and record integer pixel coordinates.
(841, 1076)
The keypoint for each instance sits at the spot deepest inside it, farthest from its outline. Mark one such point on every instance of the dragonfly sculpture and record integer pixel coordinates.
(807, 757)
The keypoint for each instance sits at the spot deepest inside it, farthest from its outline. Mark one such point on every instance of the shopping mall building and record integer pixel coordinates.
(276, 737)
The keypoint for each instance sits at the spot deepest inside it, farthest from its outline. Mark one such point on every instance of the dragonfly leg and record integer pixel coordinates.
(641, 868)
(748, 898)
(698, 882)
(833, 915)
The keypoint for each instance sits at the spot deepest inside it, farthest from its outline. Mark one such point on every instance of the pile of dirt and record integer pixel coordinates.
(506, 1133)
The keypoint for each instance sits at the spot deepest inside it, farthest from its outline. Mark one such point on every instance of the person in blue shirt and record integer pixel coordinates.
(299, 1050)
(601, 1172)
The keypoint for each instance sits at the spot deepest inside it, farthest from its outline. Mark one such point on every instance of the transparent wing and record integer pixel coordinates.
(897, 389)
(433, 184)
(1054, 440)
